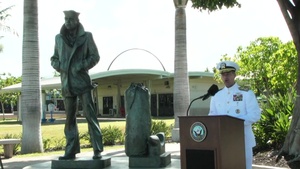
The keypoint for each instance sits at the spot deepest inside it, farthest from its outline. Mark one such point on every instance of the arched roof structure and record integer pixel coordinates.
(136, 49)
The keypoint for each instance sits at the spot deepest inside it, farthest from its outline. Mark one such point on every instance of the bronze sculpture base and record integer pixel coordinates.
(159, 161)
(81, 163)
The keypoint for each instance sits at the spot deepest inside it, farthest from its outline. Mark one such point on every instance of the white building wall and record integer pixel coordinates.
(198, 87)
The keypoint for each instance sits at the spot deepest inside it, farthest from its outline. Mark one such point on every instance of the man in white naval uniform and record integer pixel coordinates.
(238, 102)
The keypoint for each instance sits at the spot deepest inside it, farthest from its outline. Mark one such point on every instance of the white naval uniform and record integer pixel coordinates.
(240, 104)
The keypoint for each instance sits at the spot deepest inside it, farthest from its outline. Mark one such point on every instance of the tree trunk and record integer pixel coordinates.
(291, 146)
(181, 80)
(31, 89)
(3, 111)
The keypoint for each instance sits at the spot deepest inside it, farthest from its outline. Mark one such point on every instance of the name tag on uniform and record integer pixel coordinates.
(238, 97)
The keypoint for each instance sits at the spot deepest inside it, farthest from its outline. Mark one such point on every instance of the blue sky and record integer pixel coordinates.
(120, 25)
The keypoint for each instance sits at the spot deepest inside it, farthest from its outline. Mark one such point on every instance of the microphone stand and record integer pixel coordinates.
(187, 112)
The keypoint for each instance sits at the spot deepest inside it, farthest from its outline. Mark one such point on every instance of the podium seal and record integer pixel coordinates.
(198, 131)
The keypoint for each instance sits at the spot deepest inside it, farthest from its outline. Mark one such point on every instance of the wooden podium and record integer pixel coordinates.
(212, 142)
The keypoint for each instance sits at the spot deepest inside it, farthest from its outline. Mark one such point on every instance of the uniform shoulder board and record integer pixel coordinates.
(244, 88)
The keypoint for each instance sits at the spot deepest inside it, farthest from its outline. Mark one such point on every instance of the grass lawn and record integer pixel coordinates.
(55, 131)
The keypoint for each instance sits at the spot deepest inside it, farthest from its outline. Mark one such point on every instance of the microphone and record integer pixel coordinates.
(210, 92)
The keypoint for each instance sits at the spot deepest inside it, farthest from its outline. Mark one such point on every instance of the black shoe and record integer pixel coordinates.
(97, 155)
(67, 157)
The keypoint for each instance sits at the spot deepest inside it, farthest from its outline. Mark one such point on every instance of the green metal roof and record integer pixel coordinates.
(54, 83)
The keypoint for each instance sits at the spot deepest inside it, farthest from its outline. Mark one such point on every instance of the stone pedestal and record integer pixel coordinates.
(175, 135)
(82, 163)
(8, 146)
(8, 150)
(150, 161)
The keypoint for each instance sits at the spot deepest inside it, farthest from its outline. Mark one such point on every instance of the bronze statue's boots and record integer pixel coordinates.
(67, 157)
(97, 155)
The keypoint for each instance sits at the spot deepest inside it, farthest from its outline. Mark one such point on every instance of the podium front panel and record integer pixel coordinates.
(217, 137)
(200, 159)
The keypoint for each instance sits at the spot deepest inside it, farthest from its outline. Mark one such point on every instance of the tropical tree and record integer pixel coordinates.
(31, 89)
(291, 147)
(8, 98)
(181, 81)
(4, 14)
(213, 5)
(11, 97)
(268, 65)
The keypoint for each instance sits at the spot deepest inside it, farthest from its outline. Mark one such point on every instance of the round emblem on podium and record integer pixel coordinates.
(198, 132)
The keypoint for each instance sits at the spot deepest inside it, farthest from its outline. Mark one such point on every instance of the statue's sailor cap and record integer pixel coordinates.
(72, 13)
(227, 66)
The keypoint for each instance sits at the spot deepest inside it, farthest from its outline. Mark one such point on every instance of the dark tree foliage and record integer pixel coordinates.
(212, 5)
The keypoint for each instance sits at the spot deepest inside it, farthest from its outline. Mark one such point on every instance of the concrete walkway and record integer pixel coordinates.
(119, 160)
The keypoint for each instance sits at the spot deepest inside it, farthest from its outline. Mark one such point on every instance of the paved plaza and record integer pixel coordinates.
(119, 160)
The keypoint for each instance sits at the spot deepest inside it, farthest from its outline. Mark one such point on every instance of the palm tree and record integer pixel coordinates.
(181, 80)
(3, 26)
(31, 89)
(3, 16)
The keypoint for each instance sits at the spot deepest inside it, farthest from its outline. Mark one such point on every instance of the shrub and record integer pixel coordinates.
(275, 121)
(47, 144)
(59, 144)
(53, 144)
(85, 138)
(160, 126)
(111, 135)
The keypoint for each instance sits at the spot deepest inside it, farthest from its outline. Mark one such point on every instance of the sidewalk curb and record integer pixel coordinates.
(265, 167)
